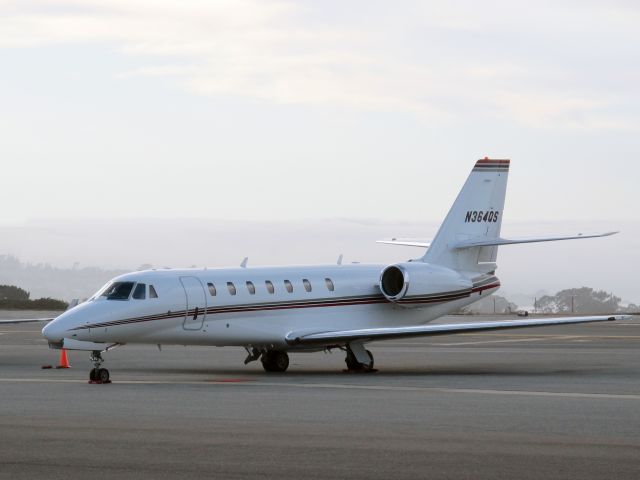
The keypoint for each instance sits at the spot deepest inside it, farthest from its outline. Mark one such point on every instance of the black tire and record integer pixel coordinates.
(280, 361)
(103, 375)
(275, 361)
(352, 363)
(93, 374)
(266, 362)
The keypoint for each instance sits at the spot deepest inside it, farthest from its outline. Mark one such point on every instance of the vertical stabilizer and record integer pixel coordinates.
(476, 214)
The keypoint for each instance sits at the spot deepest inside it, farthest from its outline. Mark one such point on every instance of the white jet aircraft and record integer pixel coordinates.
(271, 311)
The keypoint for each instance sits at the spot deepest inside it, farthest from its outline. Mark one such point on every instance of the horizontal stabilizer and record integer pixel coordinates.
(408, 242)
(486, 242)
(373, 334)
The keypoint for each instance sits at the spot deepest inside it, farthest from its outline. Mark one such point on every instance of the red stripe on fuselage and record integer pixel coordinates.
(288, 306)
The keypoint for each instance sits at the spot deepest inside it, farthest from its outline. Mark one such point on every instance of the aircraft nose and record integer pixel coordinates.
(53, 331)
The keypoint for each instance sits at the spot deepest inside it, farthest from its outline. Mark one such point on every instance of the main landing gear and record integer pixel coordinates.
(275, 361)
(358, 359)
(272, 360)
(98, 374)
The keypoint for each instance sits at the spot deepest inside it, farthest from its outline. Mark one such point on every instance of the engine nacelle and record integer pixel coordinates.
(418, 284)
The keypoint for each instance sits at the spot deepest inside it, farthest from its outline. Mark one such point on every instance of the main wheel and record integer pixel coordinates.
(275, 361)
(103, 375)
(93, 374)
(352, 363)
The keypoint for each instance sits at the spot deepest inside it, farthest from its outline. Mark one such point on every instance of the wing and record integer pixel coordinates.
(408, 242)
(71, 305)
(24, 320)
(485, 242)
(372, 334)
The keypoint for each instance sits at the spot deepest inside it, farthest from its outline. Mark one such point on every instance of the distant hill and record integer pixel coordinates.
(45, 281)
(16, 298)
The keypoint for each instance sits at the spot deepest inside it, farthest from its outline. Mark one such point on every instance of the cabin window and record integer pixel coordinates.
(251, 287)
(231, 287)
(152, 292)
(269, 286)
(118, 291)
(140, 292)
(307, 284)
(288, 286)
(330, 286)
(212, 289)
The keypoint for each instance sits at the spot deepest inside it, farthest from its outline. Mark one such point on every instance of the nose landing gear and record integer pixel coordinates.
(97, 373)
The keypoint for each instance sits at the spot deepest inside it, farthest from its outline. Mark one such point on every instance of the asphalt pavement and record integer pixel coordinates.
(561, 402)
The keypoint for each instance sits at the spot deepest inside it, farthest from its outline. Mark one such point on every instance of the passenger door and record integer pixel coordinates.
(196, 303)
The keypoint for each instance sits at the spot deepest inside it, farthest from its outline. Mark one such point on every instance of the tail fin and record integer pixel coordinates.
(476, 214)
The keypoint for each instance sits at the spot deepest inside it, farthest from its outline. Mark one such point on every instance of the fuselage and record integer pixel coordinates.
(251, 307)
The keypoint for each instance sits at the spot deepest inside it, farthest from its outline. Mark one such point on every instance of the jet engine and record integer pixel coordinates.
(416, 284)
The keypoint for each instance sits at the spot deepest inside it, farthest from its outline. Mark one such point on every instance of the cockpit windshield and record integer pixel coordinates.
(118, 291)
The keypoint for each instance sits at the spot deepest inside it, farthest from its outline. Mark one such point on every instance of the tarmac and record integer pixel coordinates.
(553, 403)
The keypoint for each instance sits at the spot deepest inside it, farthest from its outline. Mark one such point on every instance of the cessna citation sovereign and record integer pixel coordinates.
(271, 311)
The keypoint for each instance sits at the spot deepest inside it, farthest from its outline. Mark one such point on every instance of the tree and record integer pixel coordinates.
(583, 300)
(11, 292)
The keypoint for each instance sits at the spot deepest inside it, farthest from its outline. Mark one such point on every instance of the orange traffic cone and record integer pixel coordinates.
(64, 361)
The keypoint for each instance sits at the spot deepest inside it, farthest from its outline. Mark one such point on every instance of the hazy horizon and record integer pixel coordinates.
(127, 244)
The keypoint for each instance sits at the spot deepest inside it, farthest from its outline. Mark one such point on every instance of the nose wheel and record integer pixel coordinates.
(97, 373)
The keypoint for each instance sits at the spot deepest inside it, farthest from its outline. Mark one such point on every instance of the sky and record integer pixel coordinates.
(271, 113)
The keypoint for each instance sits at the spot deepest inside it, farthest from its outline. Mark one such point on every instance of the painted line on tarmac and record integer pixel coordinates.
(219, 381)
(471, 391)
(482, 342)
(338, 386)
